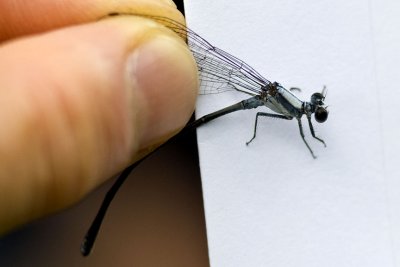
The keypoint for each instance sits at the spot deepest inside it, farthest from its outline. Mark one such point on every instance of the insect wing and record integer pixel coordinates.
(219, 71)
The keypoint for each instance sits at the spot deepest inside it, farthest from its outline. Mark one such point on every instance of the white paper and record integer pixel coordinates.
(270, 203)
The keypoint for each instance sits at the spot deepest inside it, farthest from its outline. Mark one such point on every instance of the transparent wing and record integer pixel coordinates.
(218, 70)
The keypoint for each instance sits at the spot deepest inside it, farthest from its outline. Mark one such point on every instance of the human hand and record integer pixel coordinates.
(81, 98)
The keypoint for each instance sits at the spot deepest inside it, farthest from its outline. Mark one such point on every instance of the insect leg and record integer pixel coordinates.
(302, 136)
(295, 89)
(266, 115)
(312, 131)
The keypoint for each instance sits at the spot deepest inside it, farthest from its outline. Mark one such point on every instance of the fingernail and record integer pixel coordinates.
(163, 76)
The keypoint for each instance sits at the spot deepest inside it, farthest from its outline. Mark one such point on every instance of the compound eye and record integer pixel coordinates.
(317, 98)
(318, 95)
(321, 114)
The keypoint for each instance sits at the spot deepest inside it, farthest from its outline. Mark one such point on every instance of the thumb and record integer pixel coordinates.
(80, 103)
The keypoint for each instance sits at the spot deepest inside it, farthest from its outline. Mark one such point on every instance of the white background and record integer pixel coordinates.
(271, 204)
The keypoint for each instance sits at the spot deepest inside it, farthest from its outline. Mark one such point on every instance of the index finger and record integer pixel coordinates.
(18, 17)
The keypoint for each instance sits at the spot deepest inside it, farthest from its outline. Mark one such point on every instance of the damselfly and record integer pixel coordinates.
(218, 72)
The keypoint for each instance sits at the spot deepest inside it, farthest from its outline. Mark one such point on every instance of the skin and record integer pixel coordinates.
(82, 96)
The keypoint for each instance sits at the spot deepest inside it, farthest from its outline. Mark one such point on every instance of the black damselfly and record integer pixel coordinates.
(218, 72)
